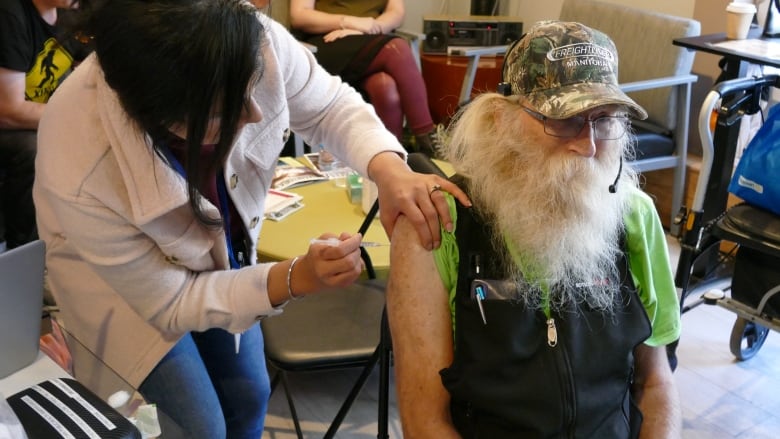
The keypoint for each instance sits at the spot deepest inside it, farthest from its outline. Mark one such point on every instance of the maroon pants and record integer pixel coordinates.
(396, 89)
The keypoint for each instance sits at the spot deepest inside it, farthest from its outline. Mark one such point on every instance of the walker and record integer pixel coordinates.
(750, 268)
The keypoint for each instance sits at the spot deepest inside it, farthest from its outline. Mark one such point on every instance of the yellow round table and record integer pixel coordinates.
(327, 208)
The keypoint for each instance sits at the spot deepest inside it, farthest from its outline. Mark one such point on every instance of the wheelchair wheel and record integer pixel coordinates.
(747, 338)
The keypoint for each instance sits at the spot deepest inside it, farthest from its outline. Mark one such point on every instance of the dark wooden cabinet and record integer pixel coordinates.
(444, 75)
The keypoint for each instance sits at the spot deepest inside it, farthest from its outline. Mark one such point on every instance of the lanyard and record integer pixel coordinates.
(223, 206)
(224, 210)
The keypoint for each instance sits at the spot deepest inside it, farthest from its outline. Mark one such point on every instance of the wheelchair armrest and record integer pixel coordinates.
(651, 127)
(473, 54)
(410, 34)
(478, 51)
(666, 81)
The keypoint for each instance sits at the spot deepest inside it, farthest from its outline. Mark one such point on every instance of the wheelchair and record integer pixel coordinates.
(733, 249)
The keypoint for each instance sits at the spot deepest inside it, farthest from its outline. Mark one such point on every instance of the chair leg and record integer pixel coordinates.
(385, 344)
(290, 403)
(282, 377)
(275, 381)
(356, 388)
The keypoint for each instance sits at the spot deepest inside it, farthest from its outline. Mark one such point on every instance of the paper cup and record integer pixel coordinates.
(738, 19)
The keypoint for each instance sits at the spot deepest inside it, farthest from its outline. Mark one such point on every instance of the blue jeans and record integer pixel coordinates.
(208, 390)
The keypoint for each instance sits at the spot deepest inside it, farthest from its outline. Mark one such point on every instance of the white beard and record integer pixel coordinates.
(556, 210)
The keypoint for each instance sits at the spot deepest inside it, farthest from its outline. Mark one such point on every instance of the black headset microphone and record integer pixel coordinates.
(613, 186)
(505, 88)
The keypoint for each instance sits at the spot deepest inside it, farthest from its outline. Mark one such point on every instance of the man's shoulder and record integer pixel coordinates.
(641, 215)
(13, 9)
(640, 200)
(16, 5)
(16, 30)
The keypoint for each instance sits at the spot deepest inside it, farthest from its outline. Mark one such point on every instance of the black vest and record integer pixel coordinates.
(506, 381)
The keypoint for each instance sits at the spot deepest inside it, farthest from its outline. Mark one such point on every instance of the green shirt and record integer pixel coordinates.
(648, 260)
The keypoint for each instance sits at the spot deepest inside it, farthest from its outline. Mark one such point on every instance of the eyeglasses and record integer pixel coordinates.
(603, 127)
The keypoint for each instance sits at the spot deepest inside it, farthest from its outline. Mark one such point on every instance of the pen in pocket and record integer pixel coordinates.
(479, 294)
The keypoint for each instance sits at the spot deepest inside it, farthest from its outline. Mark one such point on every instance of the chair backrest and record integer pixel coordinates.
(419, 162)
(644, 43)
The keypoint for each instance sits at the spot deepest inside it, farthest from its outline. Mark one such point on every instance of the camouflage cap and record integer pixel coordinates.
(565, 68)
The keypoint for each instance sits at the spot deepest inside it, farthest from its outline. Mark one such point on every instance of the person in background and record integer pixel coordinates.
(355, 40)
(554, 297)
(152, 174)
(34, 59)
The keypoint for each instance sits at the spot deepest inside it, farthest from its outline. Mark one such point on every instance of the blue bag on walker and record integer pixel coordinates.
(757, 176)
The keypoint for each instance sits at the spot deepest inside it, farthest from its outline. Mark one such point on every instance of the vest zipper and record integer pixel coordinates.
(564, 370)
(552, 333)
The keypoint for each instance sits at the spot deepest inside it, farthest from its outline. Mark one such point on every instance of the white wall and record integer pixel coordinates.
(530, 11)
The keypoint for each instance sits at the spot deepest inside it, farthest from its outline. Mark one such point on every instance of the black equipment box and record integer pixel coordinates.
(442, 31)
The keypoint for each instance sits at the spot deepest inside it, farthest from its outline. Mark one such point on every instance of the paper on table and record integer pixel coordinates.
(280, 204)
(312, 160)
(290, 173)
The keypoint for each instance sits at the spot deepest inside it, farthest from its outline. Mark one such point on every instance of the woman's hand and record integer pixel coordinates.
(328, 265)
(366, 25)
(417, 196)
(339, 33)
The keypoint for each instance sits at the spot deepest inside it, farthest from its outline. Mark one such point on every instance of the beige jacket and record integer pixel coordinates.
(128, 264)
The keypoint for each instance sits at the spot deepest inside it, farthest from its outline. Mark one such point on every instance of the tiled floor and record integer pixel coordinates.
(721, 397)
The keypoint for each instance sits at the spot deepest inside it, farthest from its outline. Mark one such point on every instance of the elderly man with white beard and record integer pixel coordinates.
(546, 310)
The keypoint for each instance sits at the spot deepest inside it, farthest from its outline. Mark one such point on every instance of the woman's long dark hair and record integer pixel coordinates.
(178, 61)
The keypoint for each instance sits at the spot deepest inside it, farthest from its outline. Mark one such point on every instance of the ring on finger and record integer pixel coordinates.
(434, 188)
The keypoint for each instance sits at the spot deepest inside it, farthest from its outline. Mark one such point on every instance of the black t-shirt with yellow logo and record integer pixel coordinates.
(29, 44)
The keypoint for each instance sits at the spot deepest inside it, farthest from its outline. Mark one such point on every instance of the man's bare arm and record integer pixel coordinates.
(16, 113)
(420, 322)
(656, 394)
